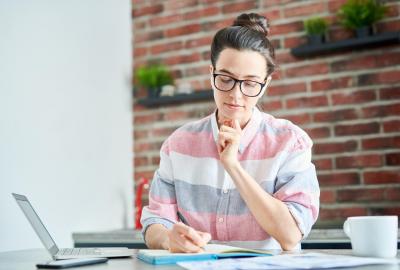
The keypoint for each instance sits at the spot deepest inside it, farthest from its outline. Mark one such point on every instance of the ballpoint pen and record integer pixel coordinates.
(182, 218)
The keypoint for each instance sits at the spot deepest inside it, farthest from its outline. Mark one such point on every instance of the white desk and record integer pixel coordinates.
(26, 260)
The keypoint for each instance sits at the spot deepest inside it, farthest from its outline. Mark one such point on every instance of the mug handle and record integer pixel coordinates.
(346, 228)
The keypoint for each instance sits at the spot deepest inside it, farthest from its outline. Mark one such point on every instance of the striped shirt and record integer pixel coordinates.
(192, 180)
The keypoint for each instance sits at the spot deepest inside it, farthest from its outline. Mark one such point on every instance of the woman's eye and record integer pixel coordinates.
(250, 83)
(226, 80)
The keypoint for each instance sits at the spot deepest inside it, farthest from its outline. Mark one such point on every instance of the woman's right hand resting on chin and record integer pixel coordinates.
(182, 238)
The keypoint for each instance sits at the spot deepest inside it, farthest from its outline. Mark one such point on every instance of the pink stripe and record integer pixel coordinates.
(195, 144)
(167, 211)
(236, 228)
(300, 197)
(166, 200)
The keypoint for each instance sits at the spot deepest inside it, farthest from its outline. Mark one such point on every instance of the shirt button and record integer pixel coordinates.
(220, 220)
(225, 191)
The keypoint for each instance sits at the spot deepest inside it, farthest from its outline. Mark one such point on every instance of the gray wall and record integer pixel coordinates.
(65, 117)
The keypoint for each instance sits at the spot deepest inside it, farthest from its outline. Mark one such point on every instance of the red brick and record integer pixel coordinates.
(334, 5)
(269, 3)
(319, 132)
(140, 52)
(145, 174)
(309, 70)
(198, 42)
(140, 134)
(286, 57)
(202, 13)
(390, 26)
(174, 5)
(149, 118)
(359, 161)
(335, 116)
(307, 102)
(272, 14)
(391, 126)
(393, 159)
(209, 26)
(155, 160)
(393, 194)
(175, 115)
(239, 7)
(281, 29)
(381, 110)
(140, 161)
(162, 131)
(323, 164)
(382, 177)
(385, 211)
(340, 34)
(392, 11)
(183, 30)
(181, 59)
(378, 78)
(148, 36)
(335, 147)
(338, 179)
(328, 196)
(360, 195)
(196, 71)
(387, 59)
(389, 93)
(206, 55)
(332, 84)
(141, 147)
(341, 213)
(381, 143)
(165, 20)
(272, 105)
(363, 62)
(285, 89)
(303, 10)
(142, 11)
(298, 119)
(161, 48)
(356, 97)
(357, 129)
(292, 42)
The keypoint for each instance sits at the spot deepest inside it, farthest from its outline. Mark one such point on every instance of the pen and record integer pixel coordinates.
(182, 218)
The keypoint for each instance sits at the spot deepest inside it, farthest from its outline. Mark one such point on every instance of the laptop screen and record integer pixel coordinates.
(35, 221)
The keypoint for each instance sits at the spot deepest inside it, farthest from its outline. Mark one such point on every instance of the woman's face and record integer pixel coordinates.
(241, 65)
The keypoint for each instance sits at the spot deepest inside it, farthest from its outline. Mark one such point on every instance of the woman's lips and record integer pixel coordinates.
(233, 106)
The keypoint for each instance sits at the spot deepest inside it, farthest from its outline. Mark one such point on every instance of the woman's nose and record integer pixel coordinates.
(236, 92)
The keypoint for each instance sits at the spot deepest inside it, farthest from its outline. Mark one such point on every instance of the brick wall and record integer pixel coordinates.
(348, 102)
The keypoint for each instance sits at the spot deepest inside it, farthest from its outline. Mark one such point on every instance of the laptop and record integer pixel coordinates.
(65, 253)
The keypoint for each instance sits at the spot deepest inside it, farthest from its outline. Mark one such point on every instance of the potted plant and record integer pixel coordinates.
(360, 15)
(315, 29)
(153, 77)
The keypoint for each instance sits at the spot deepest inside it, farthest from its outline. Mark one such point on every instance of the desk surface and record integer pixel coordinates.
(26, 260)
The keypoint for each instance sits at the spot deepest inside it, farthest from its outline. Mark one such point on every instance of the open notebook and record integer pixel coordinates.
(211, 252)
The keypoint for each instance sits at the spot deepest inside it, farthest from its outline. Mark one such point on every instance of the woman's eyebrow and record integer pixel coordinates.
(245, 76)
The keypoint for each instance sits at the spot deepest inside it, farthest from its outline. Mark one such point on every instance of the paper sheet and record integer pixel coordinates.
(288, 261)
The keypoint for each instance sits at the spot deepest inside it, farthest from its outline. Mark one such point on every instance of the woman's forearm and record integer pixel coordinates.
(272, 214)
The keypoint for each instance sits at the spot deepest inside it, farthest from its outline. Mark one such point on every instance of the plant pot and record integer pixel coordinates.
(364, 31)
(153, 92)
(316, 39)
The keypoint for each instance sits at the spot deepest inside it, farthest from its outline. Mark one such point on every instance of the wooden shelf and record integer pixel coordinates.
(180, 98)
(387, 38)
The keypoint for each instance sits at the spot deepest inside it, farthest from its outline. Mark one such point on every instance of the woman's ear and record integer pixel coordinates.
(266, 85)
(211, 69)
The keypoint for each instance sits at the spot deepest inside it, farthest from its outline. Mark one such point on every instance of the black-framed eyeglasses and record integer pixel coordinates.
(248, 87)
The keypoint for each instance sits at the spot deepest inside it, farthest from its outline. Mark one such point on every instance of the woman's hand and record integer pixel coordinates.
(228, 142)
(183, 238)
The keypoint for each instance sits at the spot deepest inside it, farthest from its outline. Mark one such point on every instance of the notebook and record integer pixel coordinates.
(211, 252)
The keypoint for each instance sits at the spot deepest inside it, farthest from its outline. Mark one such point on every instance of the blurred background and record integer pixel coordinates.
(80, 132)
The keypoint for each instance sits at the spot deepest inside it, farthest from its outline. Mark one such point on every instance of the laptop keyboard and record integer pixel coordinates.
(79, 251)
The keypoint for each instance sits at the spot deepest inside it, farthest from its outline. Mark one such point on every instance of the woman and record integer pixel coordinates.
(239, 176)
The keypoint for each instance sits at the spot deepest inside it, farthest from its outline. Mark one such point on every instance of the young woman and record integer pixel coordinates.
(239, 176)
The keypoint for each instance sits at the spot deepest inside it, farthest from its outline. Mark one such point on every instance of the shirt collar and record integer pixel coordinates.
(249, 130)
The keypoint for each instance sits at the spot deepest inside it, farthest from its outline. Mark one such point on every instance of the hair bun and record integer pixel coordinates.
(253, 21)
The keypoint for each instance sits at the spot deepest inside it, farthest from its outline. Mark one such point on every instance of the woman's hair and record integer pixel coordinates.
(248, 32)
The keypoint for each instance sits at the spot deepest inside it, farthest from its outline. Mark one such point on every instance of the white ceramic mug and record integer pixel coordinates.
(372, 236)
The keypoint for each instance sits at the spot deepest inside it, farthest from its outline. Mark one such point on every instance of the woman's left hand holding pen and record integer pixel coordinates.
(183, 238)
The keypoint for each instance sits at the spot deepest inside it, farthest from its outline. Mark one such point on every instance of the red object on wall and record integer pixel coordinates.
(143, 184)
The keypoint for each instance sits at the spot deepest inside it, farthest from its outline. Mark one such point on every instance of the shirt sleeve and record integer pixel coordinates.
(297, 183)
(162, 208)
